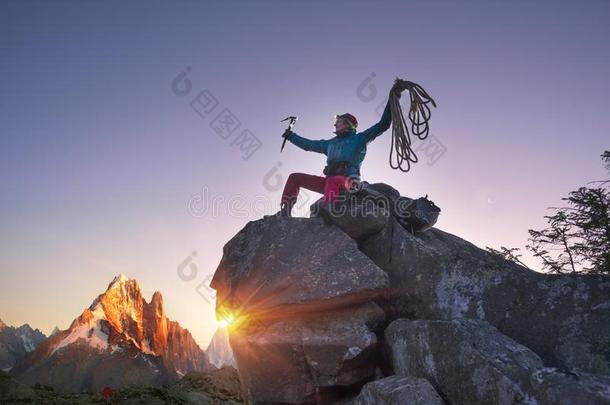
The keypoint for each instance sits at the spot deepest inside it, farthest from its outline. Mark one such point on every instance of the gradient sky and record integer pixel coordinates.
(99, 158)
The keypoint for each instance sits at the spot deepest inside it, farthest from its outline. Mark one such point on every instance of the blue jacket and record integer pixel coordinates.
(350, 147)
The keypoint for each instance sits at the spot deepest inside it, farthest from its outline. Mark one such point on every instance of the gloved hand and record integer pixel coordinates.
(398, 87)
(396, 90)
(287, 133)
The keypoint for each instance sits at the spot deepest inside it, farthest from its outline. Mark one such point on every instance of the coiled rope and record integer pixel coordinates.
(401, 153)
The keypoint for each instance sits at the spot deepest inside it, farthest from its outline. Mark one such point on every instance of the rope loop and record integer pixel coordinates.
(401, 153)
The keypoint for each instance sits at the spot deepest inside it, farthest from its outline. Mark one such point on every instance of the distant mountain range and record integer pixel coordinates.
(120, 340)
(15, 343)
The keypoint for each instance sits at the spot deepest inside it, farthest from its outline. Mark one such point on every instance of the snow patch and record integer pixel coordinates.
(148, 362)
(90, 332)
(28, 345)
(145, 347)
(119, 280)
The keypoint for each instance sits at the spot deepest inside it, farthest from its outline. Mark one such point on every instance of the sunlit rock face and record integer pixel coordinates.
(120, 340)
(276, 267)
(302, 295)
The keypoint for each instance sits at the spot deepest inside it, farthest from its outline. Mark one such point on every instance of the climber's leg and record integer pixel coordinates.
(332, 186)
(296, 181)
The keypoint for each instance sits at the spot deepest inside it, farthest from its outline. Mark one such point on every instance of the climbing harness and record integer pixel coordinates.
(419, 116)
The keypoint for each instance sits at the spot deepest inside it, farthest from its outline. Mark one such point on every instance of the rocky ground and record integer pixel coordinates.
(356, 308)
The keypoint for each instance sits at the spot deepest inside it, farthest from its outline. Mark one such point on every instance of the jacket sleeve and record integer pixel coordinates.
(373, 132)
(319, 146)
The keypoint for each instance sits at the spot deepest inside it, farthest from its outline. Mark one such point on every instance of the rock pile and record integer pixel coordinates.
(357, 308)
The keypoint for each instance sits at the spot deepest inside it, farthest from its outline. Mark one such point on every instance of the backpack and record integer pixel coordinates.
(415, 215)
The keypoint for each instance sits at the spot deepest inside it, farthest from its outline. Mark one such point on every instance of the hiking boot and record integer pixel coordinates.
(285, 211)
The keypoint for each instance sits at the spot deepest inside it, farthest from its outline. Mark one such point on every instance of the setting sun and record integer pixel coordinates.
(226, 321)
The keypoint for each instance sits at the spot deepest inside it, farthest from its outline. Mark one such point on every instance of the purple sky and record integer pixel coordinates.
(99, 158)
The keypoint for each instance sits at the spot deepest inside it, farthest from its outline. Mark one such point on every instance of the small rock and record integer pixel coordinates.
(398, 390)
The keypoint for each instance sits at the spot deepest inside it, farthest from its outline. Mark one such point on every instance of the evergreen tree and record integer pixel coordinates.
(577, 239)
(510, 254)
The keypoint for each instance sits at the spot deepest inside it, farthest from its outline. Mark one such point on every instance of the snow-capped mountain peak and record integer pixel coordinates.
(219, 350)
(120, 280)
(15, 343)
(119, 327)
(30, 337)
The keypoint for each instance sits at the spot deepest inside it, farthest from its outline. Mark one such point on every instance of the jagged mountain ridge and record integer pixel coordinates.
(119, 340)
(15, 343)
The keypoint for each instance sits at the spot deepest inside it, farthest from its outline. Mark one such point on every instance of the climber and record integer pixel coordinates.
(345, 153)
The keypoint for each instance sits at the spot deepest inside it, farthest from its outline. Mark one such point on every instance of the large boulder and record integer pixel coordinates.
(437, 275)
(302, 300)
(277, 267)
(469, 361)
(305, 360)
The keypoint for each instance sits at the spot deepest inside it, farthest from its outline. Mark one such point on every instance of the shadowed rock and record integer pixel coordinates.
(552, 386)
(301, 361)
(469, 361)
(299, 289)
(437, 275)
(359, 221)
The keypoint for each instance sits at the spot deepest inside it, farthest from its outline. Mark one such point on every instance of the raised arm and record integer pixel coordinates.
(307, 144)
(379, 128)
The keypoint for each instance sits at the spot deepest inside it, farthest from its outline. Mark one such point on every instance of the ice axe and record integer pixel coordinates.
(292, 119)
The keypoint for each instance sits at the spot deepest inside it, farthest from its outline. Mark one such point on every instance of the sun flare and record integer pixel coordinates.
(226, 321)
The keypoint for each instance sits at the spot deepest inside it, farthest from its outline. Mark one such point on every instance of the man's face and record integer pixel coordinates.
(341, 126)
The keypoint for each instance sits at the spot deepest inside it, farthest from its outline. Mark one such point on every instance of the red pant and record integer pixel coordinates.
(329, 186)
